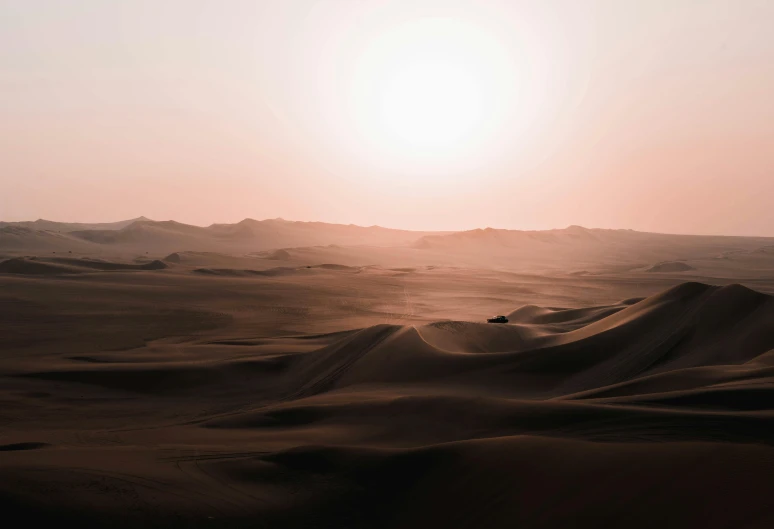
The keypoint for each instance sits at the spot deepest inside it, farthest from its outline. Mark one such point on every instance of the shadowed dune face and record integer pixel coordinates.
(560, 418)
(54, 266)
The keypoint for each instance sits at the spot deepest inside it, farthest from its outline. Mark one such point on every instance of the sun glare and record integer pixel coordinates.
(432, 87)
(431, 102)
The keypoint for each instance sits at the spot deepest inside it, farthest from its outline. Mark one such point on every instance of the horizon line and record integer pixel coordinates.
(142, 218)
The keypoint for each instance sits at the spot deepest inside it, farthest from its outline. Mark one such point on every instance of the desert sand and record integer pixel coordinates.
(280, 374)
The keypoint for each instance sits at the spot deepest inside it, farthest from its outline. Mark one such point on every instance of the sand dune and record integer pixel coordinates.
(311, 375)
(279, 255)
(232, 272)
(63, 265)
(674, 266)
(562, 418)
(219, 260)
(15, 240)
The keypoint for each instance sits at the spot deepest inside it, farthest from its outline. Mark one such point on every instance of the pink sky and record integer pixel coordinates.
(654, 116)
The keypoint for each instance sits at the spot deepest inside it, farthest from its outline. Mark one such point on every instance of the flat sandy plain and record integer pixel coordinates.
(277, 374)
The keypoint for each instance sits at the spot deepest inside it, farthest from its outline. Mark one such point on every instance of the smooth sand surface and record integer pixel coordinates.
(358, 386)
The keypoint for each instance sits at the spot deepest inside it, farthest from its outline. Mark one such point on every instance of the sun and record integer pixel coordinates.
(431, 102)
(432, 87)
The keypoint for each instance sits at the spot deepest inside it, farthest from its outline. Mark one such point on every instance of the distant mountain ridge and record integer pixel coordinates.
(573, 248)
(506, 238)
(168, 236)
(66, 227)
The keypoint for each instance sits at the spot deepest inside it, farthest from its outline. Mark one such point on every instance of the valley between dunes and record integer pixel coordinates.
(154, 375)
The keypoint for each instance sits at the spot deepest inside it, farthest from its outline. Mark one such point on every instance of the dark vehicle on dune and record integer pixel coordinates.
(497, 319)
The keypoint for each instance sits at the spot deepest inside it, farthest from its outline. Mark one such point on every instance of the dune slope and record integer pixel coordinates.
(654, 412)
(65, 265)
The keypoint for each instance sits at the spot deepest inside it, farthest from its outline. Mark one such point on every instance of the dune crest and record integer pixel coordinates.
(674, 266)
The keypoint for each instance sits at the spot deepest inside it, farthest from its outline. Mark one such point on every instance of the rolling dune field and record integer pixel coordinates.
(298, 389)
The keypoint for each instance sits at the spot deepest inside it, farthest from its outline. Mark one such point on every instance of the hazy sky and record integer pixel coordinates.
(652, 115)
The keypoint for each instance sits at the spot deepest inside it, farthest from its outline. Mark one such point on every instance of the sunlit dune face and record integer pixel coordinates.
(434, 87)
